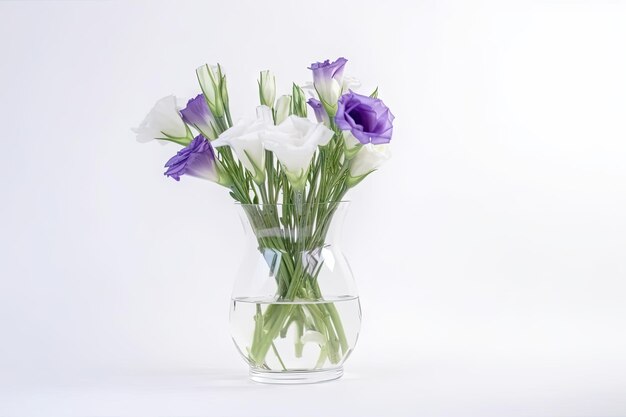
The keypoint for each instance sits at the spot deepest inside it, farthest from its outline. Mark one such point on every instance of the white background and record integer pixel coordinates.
(490, 252)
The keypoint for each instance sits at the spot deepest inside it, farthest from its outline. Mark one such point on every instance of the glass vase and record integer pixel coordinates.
(295, 315)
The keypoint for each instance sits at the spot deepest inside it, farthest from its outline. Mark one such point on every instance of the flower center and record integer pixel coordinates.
(363, 118)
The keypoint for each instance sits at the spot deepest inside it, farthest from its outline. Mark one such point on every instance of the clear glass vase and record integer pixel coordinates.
(295, 314)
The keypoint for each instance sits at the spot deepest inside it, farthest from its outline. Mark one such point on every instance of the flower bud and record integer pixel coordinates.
(283, 109)
(299, 102)
(198, 115)
(210, 79)
(267, 89)
(319, 110)
(224, 91)
(328, 82)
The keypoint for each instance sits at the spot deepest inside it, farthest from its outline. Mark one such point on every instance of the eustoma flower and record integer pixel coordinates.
(196, 160)
(328, 82)
(368, 159)
(244, 138)
(367, 118)
(198, 115)
(165, 123)
(294, 143)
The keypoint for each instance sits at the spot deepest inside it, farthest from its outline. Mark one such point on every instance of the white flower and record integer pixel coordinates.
(283, 108)
(267, 88)
(369, 159)
(294, 143)
(245, 140)
(164, 122)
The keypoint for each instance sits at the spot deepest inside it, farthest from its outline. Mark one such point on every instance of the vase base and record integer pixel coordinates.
(295, 377)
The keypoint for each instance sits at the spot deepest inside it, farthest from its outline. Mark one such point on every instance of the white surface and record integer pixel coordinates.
(489, 252)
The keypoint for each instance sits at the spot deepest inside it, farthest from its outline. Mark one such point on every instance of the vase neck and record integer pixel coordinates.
(287, 227)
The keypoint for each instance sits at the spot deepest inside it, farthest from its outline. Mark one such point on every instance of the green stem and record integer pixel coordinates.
(300, 226)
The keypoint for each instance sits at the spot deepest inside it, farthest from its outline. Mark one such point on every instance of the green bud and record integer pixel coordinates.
(210, 83)
(267, 88)
(224, 91)
(283, 109)
(298, 102)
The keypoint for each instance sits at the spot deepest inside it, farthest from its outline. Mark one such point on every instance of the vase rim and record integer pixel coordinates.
(342, 202)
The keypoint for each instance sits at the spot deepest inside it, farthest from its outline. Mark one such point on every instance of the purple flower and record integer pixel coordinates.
(196, 160)
(328, 79)
(367, 118)
(327, 69)
(320, 113)
(198, 114)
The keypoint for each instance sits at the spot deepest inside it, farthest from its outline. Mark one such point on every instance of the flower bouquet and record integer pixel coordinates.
(295, 314)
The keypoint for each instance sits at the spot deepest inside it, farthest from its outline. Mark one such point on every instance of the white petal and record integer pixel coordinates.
(295, 141)
(296, 159)
(369, 158)
(321, 135)
(245, 139)
(163, 118)
(264, 113)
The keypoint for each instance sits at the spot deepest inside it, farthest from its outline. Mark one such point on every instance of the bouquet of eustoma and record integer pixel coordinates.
(286, 170)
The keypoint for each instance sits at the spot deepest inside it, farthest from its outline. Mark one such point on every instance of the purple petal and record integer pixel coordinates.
(320, 112)
(324, 71)
(369, 120)
(197, 160)
(198, 114)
